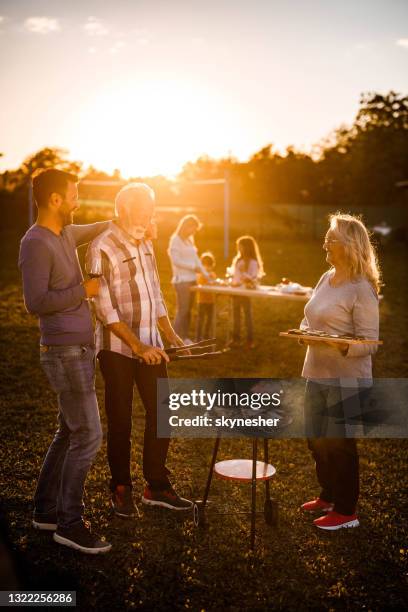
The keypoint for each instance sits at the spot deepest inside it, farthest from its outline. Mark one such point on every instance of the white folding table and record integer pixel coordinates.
(263, 291)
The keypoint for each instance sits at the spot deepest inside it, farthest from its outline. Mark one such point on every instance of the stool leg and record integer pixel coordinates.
(266, 459)
(270, 505)
(210, 474)
(253, 501)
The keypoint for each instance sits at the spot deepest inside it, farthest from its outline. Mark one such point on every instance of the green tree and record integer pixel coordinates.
(45, 158)
(14, 183)
(362, 164)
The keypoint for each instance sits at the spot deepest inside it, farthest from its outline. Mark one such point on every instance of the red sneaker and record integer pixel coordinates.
(167, 499)
(317, 505)
(334, 520)
(122, 502)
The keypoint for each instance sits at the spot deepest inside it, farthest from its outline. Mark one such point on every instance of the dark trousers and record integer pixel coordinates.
(337, 463)
(242, 303)
(120, 373)
(204, 321)
(337, 470)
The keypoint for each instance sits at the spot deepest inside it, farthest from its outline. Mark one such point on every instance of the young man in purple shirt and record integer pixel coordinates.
(55, 291)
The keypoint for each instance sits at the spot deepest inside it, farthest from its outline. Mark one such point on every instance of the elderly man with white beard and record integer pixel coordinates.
(130, 311)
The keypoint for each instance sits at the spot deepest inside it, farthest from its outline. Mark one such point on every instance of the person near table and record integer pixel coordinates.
(246, 270)
(131, 313)
(205, 301)
(339, 376)
(55, 291)
(185, 264)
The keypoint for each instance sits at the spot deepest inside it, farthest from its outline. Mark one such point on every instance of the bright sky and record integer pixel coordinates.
(146, 85)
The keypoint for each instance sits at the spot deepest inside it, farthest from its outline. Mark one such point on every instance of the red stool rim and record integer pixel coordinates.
(241, 470)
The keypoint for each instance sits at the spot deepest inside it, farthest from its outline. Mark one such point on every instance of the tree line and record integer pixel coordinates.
(365, 164)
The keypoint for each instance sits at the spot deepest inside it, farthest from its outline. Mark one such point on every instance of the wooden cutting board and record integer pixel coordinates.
(329, 338)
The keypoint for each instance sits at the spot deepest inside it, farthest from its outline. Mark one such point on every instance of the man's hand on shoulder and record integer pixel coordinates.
(91, 287)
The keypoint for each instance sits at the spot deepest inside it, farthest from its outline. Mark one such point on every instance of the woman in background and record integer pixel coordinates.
(247, 270)
(185, 264)
(345, 302)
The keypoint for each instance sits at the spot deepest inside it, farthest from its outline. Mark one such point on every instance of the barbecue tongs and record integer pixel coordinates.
(174, 352)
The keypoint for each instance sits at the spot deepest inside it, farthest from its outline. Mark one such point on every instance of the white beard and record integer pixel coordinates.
(136, 231)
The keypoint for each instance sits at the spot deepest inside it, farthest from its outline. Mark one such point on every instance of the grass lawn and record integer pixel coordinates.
(161, 561)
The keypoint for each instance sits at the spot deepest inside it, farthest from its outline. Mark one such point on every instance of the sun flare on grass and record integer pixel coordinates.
(151, 127)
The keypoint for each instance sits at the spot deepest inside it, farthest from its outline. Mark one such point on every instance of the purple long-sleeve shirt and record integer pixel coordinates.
(52, 282)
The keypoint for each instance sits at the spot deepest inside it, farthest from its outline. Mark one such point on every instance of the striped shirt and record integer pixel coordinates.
(129, 290)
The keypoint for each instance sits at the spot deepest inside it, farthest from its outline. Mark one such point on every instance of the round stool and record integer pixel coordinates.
(241, 470)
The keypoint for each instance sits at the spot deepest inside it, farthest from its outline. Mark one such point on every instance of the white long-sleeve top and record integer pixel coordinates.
(241, 273)
(184, 260)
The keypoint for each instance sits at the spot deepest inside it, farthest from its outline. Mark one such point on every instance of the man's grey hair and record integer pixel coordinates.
(131, 195)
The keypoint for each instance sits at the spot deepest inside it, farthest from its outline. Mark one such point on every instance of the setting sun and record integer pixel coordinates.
(204, 348)
(150, 126)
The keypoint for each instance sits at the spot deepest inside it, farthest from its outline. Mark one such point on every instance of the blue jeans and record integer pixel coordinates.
(185, 301)
(71, 374)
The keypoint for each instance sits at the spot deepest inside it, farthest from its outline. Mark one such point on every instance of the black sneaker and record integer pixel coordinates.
(46, 521)
(80, 537)
(167, 498)
(122, 502)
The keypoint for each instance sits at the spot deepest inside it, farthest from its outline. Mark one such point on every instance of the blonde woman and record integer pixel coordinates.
(185, 263)
(344, 301)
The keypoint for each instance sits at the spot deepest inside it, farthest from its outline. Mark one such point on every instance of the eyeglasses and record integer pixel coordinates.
(330, 242)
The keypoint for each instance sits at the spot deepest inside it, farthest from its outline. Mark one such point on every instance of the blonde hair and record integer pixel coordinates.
(185, 221)
(359, 250)
(247, 249)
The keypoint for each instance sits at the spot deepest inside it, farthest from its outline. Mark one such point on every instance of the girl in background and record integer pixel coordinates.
(247, 270)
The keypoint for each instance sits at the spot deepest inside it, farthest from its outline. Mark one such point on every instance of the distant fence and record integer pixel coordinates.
(308, 221)
(301, 220)
(311, 220)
